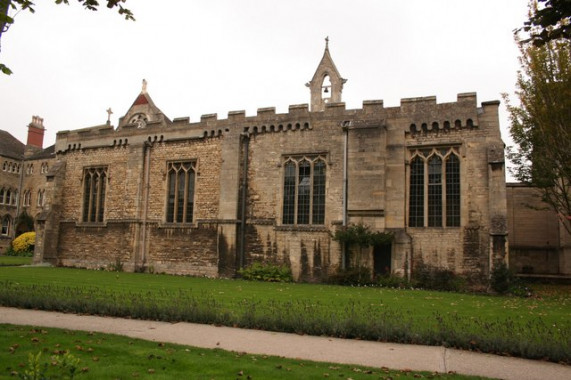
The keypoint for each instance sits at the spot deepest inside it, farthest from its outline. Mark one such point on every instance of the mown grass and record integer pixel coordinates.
(527, 327)
(104, 356)
(6, 261)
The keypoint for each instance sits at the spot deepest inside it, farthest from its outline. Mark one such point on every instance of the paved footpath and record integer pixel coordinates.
(348, 351)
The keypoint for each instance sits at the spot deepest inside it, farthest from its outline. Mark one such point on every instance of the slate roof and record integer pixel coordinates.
(10, 146)
(49, 152)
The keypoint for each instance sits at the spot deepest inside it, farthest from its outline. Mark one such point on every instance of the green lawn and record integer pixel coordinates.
(536, 327)
(104, 356)
(14, 261)
(422, 304)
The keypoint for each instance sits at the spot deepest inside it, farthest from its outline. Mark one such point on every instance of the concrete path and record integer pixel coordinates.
(372, 354)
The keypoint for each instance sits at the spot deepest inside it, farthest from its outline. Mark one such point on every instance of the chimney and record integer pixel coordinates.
(36, 133)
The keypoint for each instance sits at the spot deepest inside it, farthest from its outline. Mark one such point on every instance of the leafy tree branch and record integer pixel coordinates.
(541, 123)
(16, 6)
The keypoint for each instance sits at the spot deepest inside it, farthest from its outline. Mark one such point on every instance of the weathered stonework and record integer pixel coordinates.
(239, 187)
(539, 243)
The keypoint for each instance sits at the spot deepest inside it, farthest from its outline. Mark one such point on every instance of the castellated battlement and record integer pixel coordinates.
(424, 116)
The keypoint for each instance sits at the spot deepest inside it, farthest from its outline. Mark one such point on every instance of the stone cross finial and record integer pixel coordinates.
(144, 90)
(327, 42)
(109, 112)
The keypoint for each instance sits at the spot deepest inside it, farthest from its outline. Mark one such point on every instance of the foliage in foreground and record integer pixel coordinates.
(89, 355)
(425, 277)
(536, 338)
(266, 272)
(23, 245)
(540, 124)
(551, 21)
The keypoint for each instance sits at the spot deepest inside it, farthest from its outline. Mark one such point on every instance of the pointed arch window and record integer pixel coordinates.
(453, 191)
(180, 197)
(41, 199)
(416, 203)
(435, 191)
(434, 188)
(27, 198)
(6, 224)
(304, 190)
(94, 188)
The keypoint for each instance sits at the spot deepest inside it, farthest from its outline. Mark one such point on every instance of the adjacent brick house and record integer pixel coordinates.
(22, 179)
(208, 197)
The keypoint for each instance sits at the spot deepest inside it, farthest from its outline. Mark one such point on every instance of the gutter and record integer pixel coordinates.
(146, 186)
(244, 194)
(346, 125)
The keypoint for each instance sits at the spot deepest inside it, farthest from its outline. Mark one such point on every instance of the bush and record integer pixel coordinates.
(359, 276)
(23, 245)
(504, 281)
(266, 272)
(393, 281)
(434, 278)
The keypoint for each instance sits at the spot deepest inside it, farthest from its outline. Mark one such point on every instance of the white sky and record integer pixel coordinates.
(216, 56)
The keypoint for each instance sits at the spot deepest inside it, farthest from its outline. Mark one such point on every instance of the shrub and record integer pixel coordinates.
(117, 266)
(393, 281)
(434, 278)
(23, 245)
(504, 281)
(266, 272)
(359, 276)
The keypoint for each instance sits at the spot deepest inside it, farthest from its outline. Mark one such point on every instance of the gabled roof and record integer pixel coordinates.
(44, 154)
(326, 66)
(143, 111)
(11, 146)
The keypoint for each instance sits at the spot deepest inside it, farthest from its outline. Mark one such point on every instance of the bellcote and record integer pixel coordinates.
(326, 85)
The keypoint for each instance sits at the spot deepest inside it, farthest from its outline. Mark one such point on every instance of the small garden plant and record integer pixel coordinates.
(23, 245)
(266, 272)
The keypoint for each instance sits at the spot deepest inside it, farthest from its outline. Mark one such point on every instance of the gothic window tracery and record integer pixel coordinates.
(180, 197)
(304, 190)
(434, 188)
(94, 188)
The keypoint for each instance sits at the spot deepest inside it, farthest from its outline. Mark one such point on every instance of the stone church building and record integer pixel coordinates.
(208, 197)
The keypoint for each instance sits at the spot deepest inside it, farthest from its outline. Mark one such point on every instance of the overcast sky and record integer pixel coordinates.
(216, 56)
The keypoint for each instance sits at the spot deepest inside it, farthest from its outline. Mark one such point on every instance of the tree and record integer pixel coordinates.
(20, 5)
(551, 22)
(541, 124)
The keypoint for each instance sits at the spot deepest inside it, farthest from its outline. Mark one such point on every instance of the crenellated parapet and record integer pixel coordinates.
(425, 117)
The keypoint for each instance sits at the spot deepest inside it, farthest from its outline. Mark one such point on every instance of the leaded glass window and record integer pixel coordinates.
(304, 190)
(435, 191)
(180, 197)
(434, 188)
(452, 191)
(416, 203)
(94, 187)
